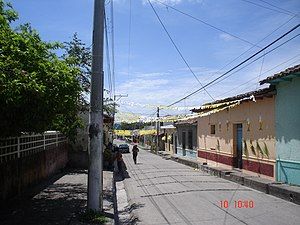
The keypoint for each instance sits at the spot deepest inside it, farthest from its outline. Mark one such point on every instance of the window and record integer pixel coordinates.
(212, 129)
(190, 140)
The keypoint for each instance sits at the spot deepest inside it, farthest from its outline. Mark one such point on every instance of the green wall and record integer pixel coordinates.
(287, 116)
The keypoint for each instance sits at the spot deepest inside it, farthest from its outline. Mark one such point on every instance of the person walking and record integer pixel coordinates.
(119, 160)
(135, 151)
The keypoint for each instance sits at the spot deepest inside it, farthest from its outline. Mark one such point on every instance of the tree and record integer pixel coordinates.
(38, 91)
(79, 56)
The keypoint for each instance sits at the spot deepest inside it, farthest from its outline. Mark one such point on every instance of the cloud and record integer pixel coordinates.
(139, 84)
(226, 37)
(169, 2)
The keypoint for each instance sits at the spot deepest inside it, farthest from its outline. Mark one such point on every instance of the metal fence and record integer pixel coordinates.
(18, 147)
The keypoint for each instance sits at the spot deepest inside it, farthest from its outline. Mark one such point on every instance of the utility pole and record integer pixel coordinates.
(95, 175)
(157, 130)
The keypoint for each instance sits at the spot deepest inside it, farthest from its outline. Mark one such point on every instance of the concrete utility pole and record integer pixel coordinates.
(95, 175)
(157, 130)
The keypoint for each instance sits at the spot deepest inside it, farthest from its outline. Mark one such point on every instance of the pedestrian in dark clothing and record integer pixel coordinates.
(135, 151)
(119, 160)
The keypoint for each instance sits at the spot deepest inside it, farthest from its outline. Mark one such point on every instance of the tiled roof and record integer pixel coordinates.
(266, 92)
(285, 73)
(190, 120)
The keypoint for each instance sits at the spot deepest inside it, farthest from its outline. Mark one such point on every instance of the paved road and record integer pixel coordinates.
(166, 192)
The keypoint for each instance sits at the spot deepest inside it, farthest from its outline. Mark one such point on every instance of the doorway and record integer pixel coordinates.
(176, 141)
(183, 143)
(239, 145)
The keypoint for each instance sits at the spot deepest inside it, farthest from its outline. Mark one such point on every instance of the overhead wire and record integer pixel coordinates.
(129, 38)
(265, 7)
(243, 62)
(113, 47)
(108, 56)
(275, 6)
(177, 49)
(257, 59)
(207, 24)
(261, 67)
(219, 29)
(253, 45)
(254, 78)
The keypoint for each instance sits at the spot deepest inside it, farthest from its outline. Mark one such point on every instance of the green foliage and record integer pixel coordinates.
(90, 216)
(79, 56)
(38, 91)
(133, 126)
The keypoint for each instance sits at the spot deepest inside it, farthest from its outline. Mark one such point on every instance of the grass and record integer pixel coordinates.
(91, 216)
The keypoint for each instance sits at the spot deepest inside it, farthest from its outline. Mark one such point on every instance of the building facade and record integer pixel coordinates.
(186, 137)
(287, 125)
(169, 135)
(239, 132)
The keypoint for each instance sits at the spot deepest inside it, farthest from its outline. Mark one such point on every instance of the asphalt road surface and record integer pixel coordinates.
(165, 192)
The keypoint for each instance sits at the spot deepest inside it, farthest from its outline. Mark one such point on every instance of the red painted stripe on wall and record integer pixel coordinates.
(253, 166)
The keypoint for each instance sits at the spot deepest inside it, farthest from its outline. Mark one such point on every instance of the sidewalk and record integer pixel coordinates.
(277, 189)
(58, 200)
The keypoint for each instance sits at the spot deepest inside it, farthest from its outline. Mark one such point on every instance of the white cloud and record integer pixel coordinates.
(169, 2)
(226, 37)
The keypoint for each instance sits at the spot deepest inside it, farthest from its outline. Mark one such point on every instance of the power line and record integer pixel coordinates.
(265, 7)
(129, 38)
(278, 7)
(113, 47)
(177, 49)
(240, 85)
(208, 24)
(253, 45)
(224, 74)
(108, 56)
(283, 24)
(256, 59)
(261, 67)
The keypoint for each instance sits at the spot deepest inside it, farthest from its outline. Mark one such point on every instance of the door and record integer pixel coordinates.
(183, 143)
(175, 139)
(239, 146)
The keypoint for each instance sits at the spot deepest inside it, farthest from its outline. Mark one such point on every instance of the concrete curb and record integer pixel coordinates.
(124, 211)
(283, 191)
(116, 215)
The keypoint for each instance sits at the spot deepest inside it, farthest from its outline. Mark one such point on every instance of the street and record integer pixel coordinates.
(166, 192)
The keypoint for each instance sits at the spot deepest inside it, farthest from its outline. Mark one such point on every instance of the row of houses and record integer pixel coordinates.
(256, 132)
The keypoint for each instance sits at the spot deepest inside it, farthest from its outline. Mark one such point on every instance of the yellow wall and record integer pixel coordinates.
(264, 108)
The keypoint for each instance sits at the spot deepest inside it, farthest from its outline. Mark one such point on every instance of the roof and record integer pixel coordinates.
(190, 120)
(285, 75)
(227, 102)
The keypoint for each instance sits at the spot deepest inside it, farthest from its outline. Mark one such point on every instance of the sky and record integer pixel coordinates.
(149, 69)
